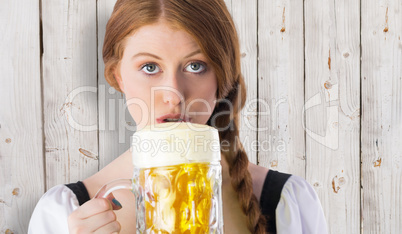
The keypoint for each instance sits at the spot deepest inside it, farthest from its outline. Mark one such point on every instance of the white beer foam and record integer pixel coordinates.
(175, 143)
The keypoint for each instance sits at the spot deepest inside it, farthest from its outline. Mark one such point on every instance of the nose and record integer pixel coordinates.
(172, 93)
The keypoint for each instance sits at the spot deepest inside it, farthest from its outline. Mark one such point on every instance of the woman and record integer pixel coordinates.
(181, 57)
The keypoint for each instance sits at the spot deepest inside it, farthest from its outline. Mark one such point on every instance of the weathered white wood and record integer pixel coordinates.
(229, 5)
(21, 142)
(280, 86)
(115, 122)
(332, 108)
(69, 65)
(381, 139)
(244, 14)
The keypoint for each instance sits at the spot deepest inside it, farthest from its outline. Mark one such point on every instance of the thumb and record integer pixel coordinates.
(110, 197)
(113, 201)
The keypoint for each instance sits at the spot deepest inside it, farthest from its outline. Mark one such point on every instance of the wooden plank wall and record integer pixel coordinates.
(324, 91)
(69, 89)
(22, 177)
(280, 86)
(381, 121)
(332, 75)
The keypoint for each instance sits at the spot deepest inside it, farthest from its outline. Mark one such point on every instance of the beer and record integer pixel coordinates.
(177, 179)
(179, 199)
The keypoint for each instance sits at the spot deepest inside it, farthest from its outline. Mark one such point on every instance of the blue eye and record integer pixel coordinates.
(196, 67)
(150, 68)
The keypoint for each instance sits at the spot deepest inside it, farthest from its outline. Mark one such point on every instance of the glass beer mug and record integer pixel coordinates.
(177, 179)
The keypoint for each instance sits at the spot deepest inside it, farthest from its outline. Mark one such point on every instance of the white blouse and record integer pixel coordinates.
(299, 210)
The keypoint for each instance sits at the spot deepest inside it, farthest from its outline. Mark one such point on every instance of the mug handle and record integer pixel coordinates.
(114, 185)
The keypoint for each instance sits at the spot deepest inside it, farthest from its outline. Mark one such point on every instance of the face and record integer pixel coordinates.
(165, 77)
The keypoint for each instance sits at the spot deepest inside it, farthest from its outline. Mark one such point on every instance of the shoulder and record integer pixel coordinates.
(51, 211)
(59, 195)
(298, 187)
(258, 175)
(299, 208)
(271, 190)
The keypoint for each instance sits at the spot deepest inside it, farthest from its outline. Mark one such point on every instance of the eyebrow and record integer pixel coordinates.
(154, 56)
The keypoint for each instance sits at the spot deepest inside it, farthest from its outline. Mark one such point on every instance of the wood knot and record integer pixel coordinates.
(337, 183)
(16, 192)
(8, 140)
(88, 153)
(328, 85)
(377, 163)
(341, 181)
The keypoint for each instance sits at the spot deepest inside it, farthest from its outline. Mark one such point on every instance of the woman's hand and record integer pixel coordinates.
(95, 216)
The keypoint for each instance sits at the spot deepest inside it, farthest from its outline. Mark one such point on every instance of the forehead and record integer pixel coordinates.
(161, 36)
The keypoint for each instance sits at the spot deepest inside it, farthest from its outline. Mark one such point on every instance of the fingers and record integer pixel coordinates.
(112, 227)
(92, 207)
(99, 221)
(103, 222)
(95, 215)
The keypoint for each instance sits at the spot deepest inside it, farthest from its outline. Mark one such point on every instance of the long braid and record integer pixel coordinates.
(236, 156)
(243, 185)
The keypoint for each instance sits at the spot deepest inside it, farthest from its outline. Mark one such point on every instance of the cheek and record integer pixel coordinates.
(129, 77)
(134, 91)
(138, 103)
(134, 87)
(202, 103)
(209, 93)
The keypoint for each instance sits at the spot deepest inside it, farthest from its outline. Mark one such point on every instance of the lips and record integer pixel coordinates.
(177, 117)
